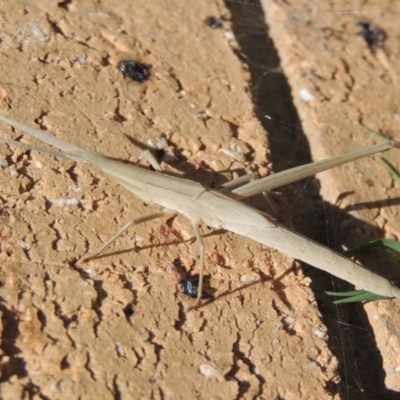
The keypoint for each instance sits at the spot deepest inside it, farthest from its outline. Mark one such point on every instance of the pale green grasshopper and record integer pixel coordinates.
(202, 205)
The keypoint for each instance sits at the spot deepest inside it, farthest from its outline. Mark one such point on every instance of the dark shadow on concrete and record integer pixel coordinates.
(350, 336)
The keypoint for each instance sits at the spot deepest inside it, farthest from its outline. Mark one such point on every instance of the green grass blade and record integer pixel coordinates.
(395, 174)
(390, 244)
(363, 295)
(344, 294)
(394, 245)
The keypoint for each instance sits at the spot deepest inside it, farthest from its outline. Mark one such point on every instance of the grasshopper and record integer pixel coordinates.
(221, 209)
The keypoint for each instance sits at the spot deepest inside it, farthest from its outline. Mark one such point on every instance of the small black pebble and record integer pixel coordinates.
(135, 70)
(372, 34)
(129, 311)
(191, 288)
(214, 23)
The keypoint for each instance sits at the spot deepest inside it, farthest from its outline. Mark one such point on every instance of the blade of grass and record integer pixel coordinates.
(362, 295)
(357, 296)
(390, 244)
(394, 245)
(390, 168)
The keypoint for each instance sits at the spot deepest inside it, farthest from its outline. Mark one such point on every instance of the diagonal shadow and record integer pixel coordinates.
(351, 341)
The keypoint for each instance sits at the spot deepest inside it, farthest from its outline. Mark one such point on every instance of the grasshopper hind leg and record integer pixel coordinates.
(150, 217)
(137, 221)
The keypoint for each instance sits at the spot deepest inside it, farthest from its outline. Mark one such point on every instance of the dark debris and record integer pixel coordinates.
(129, 311)
(214, 23)
(189, 286)
(135, 70)
(372, 34)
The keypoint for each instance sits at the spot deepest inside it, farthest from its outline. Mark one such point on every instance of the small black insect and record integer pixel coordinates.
(190, 288)
(372, 34)
(214, 23)
(135, 70)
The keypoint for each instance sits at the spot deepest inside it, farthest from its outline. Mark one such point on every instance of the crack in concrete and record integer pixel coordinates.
(116, 389)
(54, 243)
(89, 368)
(244, 386)
(65, 320)
(97, 304)
(158, 348)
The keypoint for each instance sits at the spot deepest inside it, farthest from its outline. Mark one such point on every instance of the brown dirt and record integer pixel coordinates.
(118, 329)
